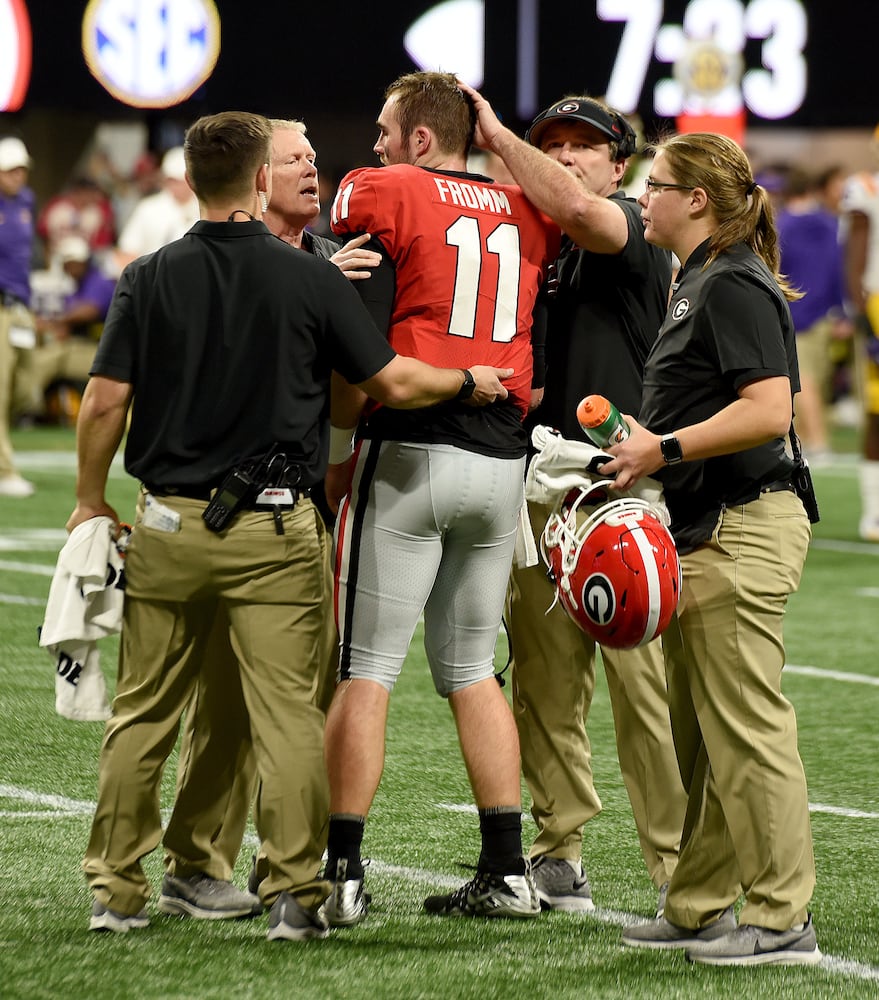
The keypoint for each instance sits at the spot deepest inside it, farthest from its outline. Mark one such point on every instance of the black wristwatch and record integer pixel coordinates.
(671, 449)
(469, 386)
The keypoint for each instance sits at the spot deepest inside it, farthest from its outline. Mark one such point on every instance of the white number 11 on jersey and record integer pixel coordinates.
(504, 243)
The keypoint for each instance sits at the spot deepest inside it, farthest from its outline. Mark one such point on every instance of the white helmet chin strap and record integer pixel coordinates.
(563, 532)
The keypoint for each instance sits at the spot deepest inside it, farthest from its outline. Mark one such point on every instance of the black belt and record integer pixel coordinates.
(779, 486)
(190, 492)
(8, 299)
(205, 492)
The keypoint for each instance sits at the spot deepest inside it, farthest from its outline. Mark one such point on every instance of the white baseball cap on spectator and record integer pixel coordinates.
(173, 164)
(13, 153)
(73, 248)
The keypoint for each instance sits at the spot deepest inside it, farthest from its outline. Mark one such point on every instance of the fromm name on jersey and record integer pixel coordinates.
(484, 199)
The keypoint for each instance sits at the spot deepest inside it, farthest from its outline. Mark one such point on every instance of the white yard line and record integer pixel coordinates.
(60, 806)
(18, 599)
(837, 545)
(815, 807)
(832, 675)
(32, 539)
(37, 569)
(63, 805)
(60, 461)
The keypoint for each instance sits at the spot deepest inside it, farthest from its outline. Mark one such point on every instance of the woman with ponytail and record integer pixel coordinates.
(717, 407)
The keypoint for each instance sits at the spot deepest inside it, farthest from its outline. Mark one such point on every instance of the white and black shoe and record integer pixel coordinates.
(347, 903)
(490, 895)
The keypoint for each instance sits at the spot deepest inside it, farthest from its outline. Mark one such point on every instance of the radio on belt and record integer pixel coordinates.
(237, 488)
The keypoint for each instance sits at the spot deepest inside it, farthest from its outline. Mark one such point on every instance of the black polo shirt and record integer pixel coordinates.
(228, 336)
(727, 324)
(601, 324)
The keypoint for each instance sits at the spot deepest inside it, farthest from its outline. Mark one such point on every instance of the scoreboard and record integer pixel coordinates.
(777, 62)
(797, 63)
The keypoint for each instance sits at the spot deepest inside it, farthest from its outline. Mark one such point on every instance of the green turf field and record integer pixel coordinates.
(422, 826)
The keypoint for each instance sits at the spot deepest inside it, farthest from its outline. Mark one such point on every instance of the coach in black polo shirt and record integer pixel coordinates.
(223, 343)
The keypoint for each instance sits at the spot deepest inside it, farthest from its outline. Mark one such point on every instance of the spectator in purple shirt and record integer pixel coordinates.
(812, 259)
(69, 339)
(17, 206)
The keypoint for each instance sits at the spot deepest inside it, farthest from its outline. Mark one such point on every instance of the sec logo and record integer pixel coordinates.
(151, 53)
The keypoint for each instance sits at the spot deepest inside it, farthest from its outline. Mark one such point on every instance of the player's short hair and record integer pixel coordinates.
(224, 151)
(433, 99)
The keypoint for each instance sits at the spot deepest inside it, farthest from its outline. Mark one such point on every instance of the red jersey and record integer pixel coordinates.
(469, 257)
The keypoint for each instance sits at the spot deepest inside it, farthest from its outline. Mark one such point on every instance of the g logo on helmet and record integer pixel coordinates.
(598, 599)
(615, 568)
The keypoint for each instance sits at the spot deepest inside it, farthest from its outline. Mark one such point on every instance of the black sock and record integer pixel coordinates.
(345, 838)
(501, 829)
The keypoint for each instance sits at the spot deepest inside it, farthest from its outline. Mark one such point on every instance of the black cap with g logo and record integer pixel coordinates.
(588, 112)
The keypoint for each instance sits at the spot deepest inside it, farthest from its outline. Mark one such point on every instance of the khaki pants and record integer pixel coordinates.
(69, 359)
(13, 361)
(747, 826)
(216, 772)
(271, 588)
(216, 776)
(553, 686)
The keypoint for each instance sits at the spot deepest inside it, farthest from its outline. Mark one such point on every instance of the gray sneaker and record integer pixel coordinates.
(105, 919)
(206, 898)
(489, 895)
(662, 933)
(347, 903)
(562, 885)
(289, 921)
(752, 945)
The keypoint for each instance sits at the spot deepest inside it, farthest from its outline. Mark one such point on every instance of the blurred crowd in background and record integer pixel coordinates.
(102, 218)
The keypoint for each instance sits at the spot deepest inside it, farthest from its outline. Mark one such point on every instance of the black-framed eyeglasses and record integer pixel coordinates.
(652, 185)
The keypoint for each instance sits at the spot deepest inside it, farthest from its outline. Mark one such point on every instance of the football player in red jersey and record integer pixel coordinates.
(609, 302)
(429, 523)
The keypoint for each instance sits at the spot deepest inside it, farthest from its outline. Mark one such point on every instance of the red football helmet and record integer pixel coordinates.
(617, 574)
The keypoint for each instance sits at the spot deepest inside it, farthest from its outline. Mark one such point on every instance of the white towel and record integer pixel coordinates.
(84, 605)
(525, 553)
(561, 465)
